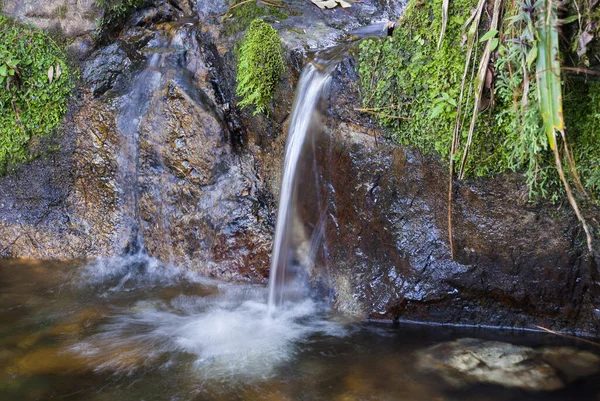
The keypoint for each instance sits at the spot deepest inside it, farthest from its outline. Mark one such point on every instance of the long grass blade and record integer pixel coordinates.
(548, 75)
(550, 99)
(445, 6)
(472, 25)
(480, 83)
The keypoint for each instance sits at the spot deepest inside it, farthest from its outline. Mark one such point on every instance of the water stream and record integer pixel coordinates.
(287, 281)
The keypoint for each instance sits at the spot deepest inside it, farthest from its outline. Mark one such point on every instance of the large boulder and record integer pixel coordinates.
(469, 361)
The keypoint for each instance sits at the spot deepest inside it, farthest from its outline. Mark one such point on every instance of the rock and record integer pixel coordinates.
(104, 67)
(73, 19)
(573, 364)
(469, 361)
(199, 203)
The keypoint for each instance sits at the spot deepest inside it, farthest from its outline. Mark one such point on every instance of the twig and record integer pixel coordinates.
(393, 107)
(568, 336)
(483, 68)
(572, 166)
(580, 70)
(472, 34)
(236, 5)
(572, 200)
(272, 5)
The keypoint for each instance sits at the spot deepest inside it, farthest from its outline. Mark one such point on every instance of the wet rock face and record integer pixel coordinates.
(470, 361)
(67, 206)
(516, 263)
(104, 67)
(146, 156)
(200, 204)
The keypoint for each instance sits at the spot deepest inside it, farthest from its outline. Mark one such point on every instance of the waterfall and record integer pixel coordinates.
(287, 281)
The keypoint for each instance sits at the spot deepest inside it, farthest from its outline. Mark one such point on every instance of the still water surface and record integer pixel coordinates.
(124, 330)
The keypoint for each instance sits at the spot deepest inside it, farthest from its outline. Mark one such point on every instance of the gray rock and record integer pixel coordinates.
(104, 67)
(74, 19)
(470, 361)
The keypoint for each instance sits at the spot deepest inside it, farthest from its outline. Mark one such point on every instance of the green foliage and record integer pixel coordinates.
(261, 63)
(115, 11)
(413, 87)
(519, 119)
(240, 17)
(36, 82)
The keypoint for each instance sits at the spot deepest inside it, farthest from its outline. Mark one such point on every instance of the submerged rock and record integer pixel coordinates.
(470, 361)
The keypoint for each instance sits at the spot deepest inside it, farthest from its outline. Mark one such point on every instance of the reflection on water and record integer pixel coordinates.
(133, 329)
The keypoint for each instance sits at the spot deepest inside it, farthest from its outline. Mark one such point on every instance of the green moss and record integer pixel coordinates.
(583, 130)
(31, 104)
(261, 63)
(240, 17)
(412, 87)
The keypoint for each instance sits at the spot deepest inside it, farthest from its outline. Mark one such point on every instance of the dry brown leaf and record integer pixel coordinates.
(328, 4)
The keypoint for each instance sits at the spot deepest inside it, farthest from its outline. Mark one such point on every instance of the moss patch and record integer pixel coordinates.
(582, 118)
(412, 87)
(36, 83)
(261, 63)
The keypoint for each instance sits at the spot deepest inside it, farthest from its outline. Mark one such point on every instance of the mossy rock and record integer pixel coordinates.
(413, 87)
(241, 15)
(261, 63)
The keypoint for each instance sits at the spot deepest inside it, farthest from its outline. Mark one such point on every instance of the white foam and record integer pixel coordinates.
(230, 335)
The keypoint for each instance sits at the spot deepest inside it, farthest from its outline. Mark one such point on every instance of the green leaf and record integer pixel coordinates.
(532, 55)
(490, 34)
(570, 19)
(493, 44)
(3, 70)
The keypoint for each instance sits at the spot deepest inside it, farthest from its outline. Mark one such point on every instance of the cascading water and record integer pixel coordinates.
(286, 281)
(136, 106)
(230, 329)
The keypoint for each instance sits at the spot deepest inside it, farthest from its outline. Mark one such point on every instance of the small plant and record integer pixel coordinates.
(35, 84)
(261, 63)
(115, 11)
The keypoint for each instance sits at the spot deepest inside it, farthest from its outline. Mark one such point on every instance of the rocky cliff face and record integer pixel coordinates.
(155, 151)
